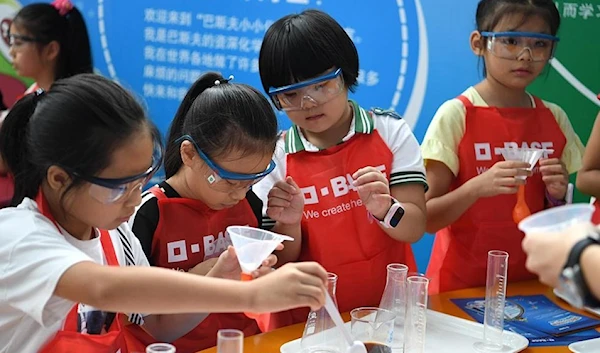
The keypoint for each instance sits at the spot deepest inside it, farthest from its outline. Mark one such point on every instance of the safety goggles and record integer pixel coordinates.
(511, 45)
(223, 180)
(108, 190)
(317, 91)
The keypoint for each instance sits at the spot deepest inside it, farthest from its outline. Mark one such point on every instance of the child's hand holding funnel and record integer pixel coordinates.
(227, 265)
(253, 247)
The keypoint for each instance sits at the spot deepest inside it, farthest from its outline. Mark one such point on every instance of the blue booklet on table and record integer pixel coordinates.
(538, 319)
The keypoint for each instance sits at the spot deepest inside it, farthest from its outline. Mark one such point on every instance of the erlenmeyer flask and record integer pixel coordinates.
(394, 299)
(320, 333)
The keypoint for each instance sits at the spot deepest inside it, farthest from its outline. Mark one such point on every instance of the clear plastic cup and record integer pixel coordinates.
(557, 219)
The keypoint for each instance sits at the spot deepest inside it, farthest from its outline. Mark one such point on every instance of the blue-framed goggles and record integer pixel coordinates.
(512, 45)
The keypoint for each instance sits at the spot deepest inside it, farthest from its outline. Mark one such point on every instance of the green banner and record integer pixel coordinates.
(573, 80)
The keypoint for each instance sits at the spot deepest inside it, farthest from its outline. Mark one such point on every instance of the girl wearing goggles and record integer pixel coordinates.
(220, 144)
(473, 190)
(360, 171)
(79, 154)
(47, 42)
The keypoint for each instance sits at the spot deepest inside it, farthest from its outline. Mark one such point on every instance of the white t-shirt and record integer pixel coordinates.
(34, 256)
(407, 163)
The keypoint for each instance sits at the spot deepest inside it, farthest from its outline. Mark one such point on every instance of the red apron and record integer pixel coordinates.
(188, 233)
(337, 231)
(6, 190)
(596, 214)
(459, 255)
(69, 340)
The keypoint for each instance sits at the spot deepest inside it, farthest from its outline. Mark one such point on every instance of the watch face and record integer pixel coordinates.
(397, 216)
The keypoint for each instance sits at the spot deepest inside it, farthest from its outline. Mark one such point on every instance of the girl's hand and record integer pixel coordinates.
(374, 191)
(291, 286)
(285, 202)
(556, 177)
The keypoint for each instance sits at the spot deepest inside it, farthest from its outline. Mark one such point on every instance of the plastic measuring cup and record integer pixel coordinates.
(253, 246)
(557, 219)
(495, 301)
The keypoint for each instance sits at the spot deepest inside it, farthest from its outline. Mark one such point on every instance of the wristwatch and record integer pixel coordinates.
(572, 282)
(393, 215)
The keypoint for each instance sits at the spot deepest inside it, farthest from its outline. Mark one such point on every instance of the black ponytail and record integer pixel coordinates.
(172, 156)
(14, 149)
(222, 117)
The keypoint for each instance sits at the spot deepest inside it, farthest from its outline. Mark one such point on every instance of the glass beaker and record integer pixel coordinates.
(160, 348)
(394, 298)
(374, 327)
(320, 333)
(416, 314)
(230, 341)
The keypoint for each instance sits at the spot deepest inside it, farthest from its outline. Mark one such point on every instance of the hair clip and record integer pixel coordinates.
(230, 78)
(39, 92)
(62, 6)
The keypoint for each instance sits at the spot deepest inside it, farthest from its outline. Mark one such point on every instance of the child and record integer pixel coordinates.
(587, 178)
(220, 143)
(360, 172)
(47, 42)
(77, 182)
(471, 188)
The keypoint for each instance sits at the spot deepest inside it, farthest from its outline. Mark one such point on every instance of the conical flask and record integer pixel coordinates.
(320, 333)
(394, 299)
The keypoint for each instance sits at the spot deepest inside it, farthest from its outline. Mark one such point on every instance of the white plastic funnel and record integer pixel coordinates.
(253, 245)
(557, 219)
(529, 155)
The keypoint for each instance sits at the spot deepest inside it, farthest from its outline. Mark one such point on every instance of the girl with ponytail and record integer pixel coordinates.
(49, 42)
(220, 143)
(80, 154)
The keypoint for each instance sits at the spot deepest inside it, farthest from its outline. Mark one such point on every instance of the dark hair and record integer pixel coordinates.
(301, 46)
(44, 22)
(76, 125)
(491, 12)
(221, 118)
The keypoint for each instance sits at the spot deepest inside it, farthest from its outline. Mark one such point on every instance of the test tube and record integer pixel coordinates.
(230, 341)
(416, 314)
(160, 348)
(495, 299)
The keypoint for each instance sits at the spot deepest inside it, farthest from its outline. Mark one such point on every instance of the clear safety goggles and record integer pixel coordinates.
(512, 45)
(317, 91)
(223, 180)
(108, 190)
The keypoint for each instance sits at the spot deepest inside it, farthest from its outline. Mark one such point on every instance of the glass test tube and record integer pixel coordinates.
(495, 300)
(416, 314)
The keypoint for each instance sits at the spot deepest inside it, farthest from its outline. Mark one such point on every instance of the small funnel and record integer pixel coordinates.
(253, 245)
(529, 155)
